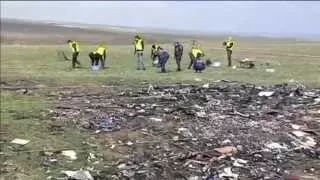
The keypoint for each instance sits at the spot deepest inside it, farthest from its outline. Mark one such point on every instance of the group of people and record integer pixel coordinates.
(159, 55)
(97, 57)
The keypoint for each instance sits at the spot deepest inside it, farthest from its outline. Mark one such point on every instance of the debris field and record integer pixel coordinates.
(222, 130)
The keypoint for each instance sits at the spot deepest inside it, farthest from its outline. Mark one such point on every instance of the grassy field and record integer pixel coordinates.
(297, 62)
(27, 65)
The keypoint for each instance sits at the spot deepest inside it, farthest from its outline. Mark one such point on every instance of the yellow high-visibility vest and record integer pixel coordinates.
(138, 45)
(229, 43)
(195, 52)
(77, 46)
(101, 50)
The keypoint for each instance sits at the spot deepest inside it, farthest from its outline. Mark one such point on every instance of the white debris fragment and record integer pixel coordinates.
(141, 111)
(72, 155)
(216, 64)
(113, 146)
(129, 143)
(20, 141)
(317, 100)
(239, 162)
(201, 114)
(175, 138)
(275, 146)
(197, 79)
(226, 141)
(78, 175)
(122, 166)
(299, 133)
(206, 85)
(270, 70)
(228, 174)
(266, 93)
(156, 119)
(295, 126)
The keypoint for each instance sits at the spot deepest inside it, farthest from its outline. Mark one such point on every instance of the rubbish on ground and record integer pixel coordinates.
(156, 119)
(266, 93)
(78, 175)
(129, 143)
(206, 85)
(257, 129)
(72, 155)
(109, 125)
(227, 173)
(270, 70)
(227, 150)
(274, 145)
(216, 64)
(234, 67)
(295, 126)
(197, 79)
(20, 141)
(246, 63)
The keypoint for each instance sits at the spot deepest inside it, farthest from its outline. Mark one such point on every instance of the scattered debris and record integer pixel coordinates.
(266, 93)
(270, 70)
(223, 129)
(155, 119)
(72, 155)
(227, 173)
(20, 141)
(216, 64)
(227, 150)
(246, 63)
(206, 85)
(78, 175)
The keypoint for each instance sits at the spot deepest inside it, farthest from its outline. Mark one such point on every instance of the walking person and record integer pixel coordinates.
(75, 52)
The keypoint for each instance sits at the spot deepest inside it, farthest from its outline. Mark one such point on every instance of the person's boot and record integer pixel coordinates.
(138, 68)
(144, 68)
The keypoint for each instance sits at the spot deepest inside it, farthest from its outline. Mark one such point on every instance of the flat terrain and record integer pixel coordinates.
(57, 108)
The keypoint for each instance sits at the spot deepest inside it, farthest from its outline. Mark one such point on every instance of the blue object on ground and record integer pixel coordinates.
(109, 125)
(96, 67)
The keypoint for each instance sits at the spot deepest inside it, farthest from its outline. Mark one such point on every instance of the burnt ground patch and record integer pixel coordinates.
(175, 131)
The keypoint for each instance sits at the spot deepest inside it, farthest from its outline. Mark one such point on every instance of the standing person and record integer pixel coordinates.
(178, 52)
(75, 52)
(138, 51)
(163, 56)
(99, 55)
(195, 50)
(229, 44)
(154, 48)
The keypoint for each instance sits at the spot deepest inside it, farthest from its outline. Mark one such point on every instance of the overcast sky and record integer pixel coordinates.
(249, 17)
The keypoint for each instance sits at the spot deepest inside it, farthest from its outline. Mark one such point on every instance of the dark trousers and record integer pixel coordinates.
(95, 59)
(229, 53)
(75, 59)
(162, 62)
(178, 61)
(192, 58)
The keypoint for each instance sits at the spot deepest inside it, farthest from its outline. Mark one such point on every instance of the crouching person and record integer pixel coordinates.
(99, 55)
(163, 57)
(199, 64)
